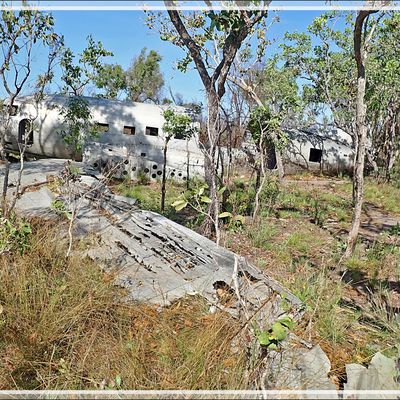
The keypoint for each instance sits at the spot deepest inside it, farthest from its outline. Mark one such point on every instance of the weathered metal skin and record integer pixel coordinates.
(132, 130)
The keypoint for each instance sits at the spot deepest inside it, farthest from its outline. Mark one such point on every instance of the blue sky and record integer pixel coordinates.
(125, 34)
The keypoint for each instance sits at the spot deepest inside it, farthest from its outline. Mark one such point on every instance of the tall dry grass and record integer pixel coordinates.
(62, 326)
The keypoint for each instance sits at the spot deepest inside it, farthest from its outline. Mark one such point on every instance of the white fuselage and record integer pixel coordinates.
(132, 130)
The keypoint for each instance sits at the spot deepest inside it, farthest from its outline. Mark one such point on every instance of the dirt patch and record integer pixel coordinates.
(375, 221)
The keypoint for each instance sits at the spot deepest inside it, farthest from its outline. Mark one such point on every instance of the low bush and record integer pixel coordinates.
(14, 234)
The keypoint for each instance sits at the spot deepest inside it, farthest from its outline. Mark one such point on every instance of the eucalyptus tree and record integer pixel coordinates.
(77, 125)
(211, 40)
(235, 113)
(383, 94)
(111, 78)
(336, 69)
(76, 76)
(22, 33)
(323, 59)
(143, 79)
(362, 35)
(275, 88)
(264, 126)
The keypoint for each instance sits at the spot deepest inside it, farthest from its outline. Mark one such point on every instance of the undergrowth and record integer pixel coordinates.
(381, 194)
(290, 242)
(63, 326)
(148, 196)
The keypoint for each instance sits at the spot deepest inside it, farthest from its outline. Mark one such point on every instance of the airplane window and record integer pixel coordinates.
(25, 131)
(102, 128)
(151, 131)
(129, 130)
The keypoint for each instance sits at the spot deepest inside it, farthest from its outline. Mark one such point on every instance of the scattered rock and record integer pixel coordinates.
(383, 373)
(36, 203)
(298, 369)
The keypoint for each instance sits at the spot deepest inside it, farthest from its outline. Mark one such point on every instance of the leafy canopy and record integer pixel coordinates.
(323, 58)
(21, 32)
(144, 80)
(76, 76)
(112, 79)
(265, 128)
(78, 125)
(177, 125)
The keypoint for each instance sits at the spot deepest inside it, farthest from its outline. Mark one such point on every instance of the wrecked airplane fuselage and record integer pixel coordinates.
(130, 132)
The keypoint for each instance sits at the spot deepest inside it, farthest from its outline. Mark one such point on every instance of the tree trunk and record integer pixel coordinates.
(262, 183)
(211, 222)
(360, 54)
(164, 175)
(229, 166)
(258, 177)
(4, 208)
(215, 88)
(372, 162)
(279, 164)
(221, 165)
(358, 177)
(391, 154)
(187, 164)
(6, 163)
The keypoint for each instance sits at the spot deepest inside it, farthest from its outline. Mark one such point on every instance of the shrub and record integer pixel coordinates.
(240, 199)
(14, 234)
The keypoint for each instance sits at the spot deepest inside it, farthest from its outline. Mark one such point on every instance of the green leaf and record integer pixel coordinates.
(212, 25)
(118, 381)
(222, 190)
(181, 207)
(205, 199)
(225, 214)
(240, 219)
(26, 228)
(263, 339)
(179, 204)
(287, 322)
(278, 331)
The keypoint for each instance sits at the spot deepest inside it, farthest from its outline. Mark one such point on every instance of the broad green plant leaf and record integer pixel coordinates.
(263, 339)
(179, 204)
(205, 199)
(225, 214)
(279, 331)
(287, 322)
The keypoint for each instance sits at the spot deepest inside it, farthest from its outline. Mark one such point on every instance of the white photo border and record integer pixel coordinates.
(150, 5)
(135, 5)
